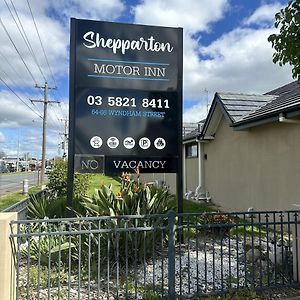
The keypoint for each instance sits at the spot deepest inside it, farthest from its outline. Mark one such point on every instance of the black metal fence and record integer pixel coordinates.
(155, 256)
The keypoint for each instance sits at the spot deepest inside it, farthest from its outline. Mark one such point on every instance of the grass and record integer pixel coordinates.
(195, 207)
(97, 180)
(11, 199)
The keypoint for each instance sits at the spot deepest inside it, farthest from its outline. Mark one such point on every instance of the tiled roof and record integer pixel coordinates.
(247, 110)
(286, 98)
(239, 105)
(191, 135)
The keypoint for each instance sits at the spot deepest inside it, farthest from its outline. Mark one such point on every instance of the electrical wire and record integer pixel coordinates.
(1, 79)
(12, 68)
(41, 42)
(7, 33)
(19, 77)
(24, 36)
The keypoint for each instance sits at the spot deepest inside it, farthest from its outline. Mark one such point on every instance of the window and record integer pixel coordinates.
(191, 150)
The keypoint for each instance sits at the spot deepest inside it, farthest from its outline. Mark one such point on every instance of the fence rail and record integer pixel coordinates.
(164, 256)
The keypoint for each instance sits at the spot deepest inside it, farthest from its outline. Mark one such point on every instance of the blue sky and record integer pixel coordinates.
(225, 49)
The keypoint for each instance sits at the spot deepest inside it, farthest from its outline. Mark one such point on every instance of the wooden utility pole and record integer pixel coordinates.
(45, 101)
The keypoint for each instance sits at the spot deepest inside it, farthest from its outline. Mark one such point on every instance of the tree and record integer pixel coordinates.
(287, 42)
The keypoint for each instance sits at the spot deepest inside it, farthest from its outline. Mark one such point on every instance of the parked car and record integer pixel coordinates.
(3, 168)
(11, 167)
(48, 169)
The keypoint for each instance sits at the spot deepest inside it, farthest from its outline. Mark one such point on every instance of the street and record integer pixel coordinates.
(14, 182)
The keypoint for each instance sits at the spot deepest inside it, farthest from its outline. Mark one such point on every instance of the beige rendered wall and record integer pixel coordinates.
(169, 178)
(258, 168)
(7, 274)
(192, 180)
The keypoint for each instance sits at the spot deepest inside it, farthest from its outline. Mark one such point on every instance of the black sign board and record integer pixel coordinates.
(125, 97)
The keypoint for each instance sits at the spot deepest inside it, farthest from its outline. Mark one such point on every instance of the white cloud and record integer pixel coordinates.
(96, 9)
(192, 15)
(241, 61)
(24, 125)
(264, 15)
(2, 137)
(55, 42)
(195, 113)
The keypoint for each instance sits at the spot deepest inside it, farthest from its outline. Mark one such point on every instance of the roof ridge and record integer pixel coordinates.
(245, 94)
(274, 97)
(239, 105)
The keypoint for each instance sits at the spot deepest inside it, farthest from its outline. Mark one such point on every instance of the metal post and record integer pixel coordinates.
(71, 145)
(25, 186)
(44, 133)
(171, 256)
(179, 177)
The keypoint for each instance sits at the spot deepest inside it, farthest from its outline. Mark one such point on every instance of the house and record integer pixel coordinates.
(247, 155)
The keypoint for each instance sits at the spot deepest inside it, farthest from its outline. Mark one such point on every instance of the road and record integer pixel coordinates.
(13, 182)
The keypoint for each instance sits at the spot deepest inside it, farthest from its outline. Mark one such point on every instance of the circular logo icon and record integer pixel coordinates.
(144, 143)
(160, 143)
(96, 142)
(129, 142)
(112, 142)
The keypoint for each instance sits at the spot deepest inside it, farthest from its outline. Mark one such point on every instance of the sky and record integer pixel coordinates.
(225, 50)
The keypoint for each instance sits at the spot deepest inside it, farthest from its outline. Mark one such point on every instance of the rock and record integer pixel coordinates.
(253, 255)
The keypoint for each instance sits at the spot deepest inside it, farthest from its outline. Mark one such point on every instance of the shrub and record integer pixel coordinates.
(47, 248)
(133, 198)
(58, 181)
(46, 206)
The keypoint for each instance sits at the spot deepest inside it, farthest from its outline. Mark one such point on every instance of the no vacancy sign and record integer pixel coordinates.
(125, 97)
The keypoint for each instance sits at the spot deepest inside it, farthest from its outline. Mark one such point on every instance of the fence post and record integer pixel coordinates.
(171, 256)
(296, 246)
(7, 270)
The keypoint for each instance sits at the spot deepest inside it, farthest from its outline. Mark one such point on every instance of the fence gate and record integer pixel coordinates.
(155, 256)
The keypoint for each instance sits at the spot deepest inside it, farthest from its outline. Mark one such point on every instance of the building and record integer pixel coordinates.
(247, 154)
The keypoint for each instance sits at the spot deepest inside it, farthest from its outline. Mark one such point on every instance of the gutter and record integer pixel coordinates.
(195, 139)
(287, 118)
(283, 119)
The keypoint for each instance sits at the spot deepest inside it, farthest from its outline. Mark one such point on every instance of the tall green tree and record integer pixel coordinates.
(286, 43)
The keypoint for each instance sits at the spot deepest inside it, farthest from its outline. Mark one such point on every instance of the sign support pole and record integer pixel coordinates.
(70, 179)
(179, 177)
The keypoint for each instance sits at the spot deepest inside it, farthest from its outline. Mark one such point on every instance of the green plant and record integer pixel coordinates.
(12, 198)
(47, 248)
(133, 198)
(46, 206)
(286, 40)
(58, 181)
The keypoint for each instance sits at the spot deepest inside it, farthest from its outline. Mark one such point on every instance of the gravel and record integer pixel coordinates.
(215, 266)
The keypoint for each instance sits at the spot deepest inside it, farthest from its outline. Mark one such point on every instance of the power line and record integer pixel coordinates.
(19, 77)
(55, 113)
(12, 68)
(19, 97)
(41, 42)
(62, 112)
(17, 50)
(24, 36)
